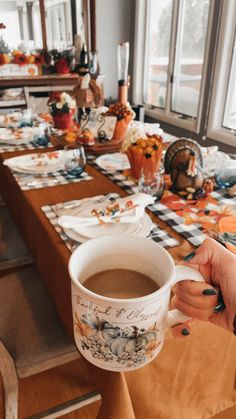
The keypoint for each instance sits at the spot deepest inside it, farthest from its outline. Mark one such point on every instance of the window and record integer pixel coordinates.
(221, 125)
(185, 65)
(230, 108)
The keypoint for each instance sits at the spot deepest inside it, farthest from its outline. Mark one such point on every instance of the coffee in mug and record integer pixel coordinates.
(125, 333)
(121, 283)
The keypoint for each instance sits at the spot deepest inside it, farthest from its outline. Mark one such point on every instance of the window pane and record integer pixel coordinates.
(230, 109)
(23, 25)
(58, 24)
(191, 37)
(158, 51)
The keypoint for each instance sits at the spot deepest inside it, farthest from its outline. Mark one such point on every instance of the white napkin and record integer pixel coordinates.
(124, 210)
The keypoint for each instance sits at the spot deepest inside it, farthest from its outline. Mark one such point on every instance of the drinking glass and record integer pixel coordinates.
(152, 183)
(74, 160)
(225, 172)
(41, 137)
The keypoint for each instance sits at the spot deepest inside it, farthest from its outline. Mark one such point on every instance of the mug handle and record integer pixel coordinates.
(182, 273)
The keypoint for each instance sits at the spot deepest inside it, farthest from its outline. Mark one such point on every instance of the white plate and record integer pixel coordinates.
(11, 140)
(113, 161)
(37, 162)
(140, 229)
(25, 135)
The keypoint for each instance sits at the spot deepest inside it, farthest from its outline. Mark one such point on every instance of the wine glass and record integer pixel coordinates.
(74, 160)
(152, 183)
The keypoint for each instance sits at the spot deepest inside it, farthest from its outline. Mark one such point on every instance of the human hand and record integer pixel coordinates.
(200, 300)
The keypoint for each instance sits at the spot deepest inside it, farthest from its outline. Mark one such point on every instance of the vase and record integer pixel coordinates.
(62, 66)
(121, 128)
(138, 161)
(63, 120)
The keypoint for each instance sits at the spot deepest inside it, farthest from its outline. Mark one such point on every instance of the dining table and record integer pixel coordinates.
(192, 377)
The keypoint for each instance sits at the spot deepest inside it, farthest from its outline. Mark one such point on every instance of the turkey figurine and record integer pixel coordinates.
(186, 173)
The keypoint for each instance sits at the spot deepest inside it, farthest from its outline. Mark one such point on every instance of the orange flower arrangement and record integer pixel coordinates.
(145, 153)
(124, 115)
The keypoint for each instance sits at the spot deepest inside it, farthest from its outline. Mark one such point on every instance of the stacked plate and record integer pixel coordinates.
(112, 162)
(83, 232)
(17, 136)
(37, 163)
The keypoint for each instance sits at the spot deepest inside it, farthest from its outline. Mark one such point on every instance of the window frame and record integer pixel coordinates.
(140, 60)
(215, 129)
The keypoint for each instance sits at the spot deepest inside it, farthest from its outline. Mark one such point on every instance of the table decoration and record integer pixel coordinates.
(52, 212)
(143, 153)
(62, 108)
(124, 115)
(183, 161)
(195, 219)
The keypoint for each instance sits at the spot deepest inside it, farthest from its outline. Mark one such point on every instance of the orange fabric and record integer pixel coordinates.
(192, 378)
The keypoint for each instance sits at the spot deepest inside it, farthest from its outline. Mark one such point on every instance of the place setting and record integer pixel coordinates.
(39, 170)
(81, 220)
(22, 131)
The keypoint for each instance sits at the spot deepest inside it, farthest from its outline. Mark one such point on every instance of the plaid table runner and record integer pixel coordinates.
(192, 232)
(4, 148)
(52, 212)
(30, 181)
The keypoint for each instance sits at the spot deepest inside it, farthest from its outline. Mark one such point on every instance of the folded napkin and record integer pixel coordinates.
(123, 210)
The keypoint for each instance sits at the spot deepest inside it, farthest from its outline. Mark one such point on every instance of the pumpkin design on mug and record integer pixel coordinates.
(129, 346)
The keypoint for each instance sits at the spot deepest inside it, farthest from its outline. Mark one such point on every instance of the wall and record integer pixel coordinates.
(115, 19)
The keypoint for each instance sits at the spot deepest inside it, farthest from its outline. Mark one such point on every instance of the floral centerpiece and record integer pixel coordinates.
(62, 108)
(124, 115)
(143, 152)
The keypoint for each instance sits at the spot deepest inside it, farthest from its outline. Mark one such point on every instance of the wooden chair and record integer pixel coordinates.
(32, 339)
(13, 251)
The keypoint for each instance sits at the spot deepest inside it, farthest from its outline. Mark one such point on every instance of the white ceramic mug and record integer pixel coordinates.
(123, 334)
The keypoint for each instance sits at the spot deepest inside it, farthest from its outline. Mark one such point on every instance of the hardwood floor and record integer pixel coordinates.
(42, 391)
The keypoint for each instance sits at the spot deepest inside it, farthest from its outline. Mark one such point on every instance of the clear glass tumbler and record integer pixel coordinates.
(152, 183)
(74, 160)
(225, 172)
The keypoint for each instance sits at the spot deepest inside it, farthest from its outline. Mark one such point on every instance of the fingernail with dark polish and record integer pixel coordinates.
(185, 332)
(189, 256)
(219, 307)
(209, 291)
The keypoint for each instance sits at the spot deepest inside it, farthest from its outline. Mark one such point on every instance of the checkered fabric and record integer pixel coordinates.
(52, 212)
(4, 148)
(193, 233)
(30, 181)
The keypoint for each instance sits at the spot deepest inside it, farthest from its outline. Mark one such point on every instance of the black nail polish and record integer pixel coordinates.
(219, 307)
(189, 256)
(209, 291)
(185, 332)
